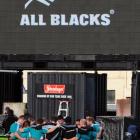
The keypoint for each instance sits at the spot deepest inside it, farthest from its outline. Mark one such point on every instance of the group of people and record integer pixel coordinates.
(57, 128)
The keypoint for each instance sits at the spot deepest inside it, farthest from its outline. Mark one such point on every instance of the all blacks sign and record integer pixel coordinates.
(92, 19)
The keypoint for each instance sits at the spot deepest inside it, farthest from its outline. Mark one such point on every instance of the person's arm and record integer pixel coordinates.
(97, 130)
(75, 138)
(52, 129)
(18, 136)
(99, 133)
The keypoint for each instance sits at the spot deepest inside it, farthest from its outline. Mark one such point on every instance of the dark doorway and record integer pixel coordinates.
(10, 87)
(136, 95)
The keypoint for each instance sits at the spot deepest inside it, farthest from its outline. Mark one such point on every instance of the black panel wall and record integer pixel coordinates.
(101, 98)
(96, 100)
(10, 87)
(85, 90)
(135, 107)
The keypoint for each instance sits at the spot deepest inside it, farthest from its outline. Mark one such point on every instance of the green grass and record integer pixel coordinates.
(3, 138)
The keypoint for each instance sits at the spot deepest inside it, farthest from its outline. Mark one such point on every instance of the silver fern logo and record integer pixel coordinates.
(44, 2)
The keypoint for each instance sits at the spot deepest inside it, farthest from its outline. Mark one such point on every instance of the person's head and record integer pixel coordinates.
(31, 120)
(7, 109)
(10, 112)
(26, 124)
(68, 120)
(53, 119)
(45, 120)
(90, 121)
(77, 122)
(60, 120)
(39, 121)
(21, 119)
(83, 123)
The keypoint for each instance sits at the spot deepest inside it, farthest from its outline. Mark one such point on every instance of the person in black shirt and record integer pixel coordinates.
(56, 133)
(68, 131)
(10, 118)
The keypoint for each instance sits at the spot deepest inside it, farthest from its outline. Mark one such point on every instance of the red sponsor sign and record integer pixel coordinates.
(54, 89)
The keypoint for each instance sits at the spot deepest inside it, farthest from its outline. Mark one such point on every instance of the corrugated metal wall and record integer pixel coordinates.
(114, 127)
(81, 86)
(10, 87)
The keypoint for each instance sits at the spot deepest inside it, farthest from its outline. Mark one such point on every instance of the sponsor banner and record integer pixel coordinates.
(55, 96)
(54, 89)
